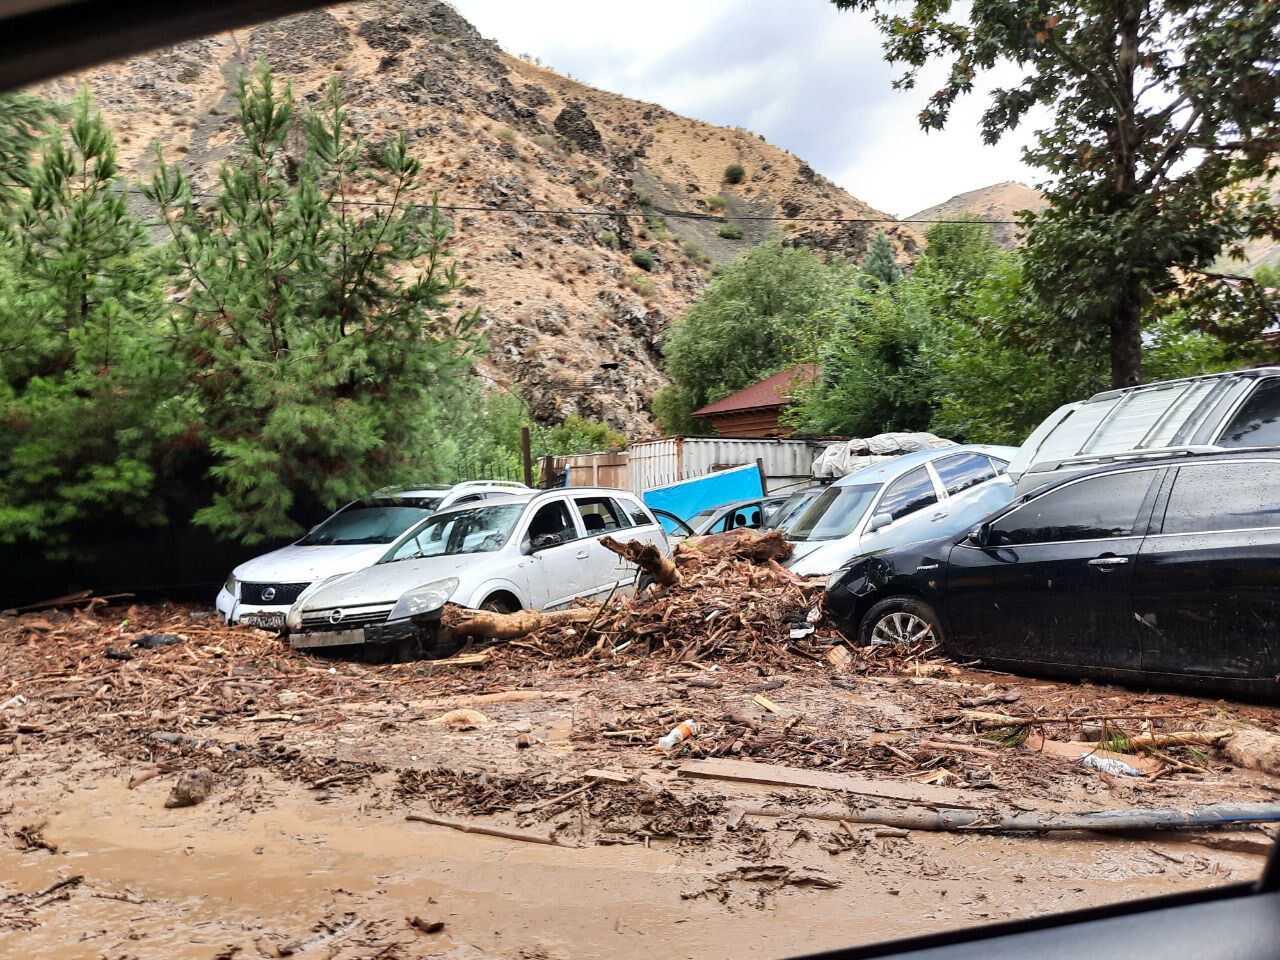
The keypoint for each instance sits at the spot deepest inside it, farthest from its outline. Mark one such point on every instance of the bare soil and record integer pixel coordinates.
(302, 848)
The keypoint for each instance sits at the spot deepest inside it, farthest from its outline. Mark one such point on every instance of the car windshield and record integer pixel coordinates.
(834, 513)
(372, 521)
(478, 530)
(792, 509)
(702, 516)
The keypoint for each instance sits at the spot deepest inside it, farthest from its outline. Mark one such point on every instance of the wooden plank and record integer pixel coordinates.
(610, 775)
(745, 771)
(763, 701)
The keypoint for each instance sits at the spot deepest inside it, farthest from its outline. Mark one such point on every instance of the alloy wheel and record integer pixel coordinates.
(900, 629)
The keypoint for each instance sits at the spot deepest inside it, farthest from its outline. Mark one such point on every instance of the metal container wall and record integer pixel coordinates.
(787, 463)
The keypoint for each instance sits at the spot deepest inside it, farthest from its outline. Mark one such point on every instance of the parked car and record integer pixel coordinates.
(791, 509)
(1163, 572)
(260, 591)
(911, 497)
(1222, 411)
(531, 551)
(752, 513)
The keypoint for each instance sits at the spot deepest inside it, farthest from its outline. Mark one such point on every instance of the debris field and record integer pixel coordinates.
(171, 785)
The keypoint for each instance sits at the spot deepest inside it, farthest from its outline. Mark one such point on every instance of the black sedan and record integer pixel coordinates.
(1161, 572)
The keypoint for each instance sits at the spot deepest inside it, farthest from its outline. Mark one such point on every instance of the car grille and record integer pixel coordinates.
(282, 594)
(350, 619)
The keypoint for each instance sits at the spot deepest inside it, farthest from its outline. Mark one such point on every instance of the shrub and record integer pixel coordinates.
(610, 239)
(506, 134)
(715, 204)
(641, 284)
(643, 259)
(696, 254)
(730, 232)
(734, 173)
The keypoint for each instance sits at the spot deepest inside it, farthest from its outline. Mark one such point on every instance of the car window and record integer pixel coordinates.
(481, 529)
(1096, 508)
(908, 494)
(1257, 422)
(963, 471)
(1223, 496)
(600, 515)
(834, 513)
(746, 517)
(551, 525)
(639, 515)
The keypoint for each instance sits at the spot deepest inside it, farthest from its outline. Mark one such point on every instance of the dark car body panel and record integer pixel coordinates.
(1196, 611)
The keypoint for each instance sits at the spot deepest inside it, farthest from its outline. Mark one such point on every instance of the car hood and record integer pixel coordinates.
(822, 557)
(388, 582)
(299, 564)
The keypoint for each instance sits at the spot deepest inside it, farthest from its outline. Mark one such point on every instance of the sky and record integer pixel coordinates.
(806, 76)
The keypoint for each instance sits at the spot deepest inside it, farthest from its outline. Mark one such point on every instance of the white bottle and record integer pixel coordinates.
(678, 734)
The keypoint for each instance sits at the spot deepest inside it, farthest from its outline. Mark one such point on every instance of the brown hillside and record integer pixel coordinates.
(996, 203)
(572, 324)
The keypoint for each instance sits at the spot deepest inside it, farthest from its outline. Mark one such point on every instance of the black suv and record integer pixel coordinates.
(1162, 572)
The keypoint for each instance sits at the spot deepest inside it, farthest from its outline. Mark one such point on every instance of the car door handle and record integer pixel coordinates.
(938, 516)
(582, 554)
(1105, 562)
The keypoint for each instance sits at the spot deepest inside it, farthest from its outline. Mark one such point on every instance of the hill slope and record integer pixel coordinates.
(573, 325)
(997, 204)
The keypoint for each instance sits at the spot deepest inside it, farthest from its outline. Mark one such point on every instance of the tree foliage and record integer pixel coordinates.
(317, 351)
(881, 263)
(1164, 117)
(24, 120)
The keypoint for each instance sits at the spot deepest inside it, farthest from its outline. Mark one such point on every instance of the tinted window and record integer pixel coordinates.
(1257, 423)
(1224, 496)
(600, 515)
(1092, 509)
(908, 494)
(551, 525)
(964, 471)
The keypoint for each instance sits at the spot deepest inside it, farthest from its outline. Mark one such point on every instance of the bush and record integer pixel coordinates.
(696, 254)
(643, 259)
(641, 285)
(730, 232)
(506, 134)
(715, 204)
(734, 173)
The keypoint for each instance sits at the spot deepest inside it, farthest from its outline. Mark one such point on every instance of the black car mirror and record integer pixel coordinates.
(981, 534)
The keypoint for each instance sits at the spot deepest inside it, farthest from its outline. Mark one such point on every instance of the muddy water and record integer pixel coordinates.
(264, 865)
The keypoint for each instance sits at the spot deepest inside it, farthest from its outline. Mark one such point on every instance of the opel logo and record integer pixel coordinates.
(335, 617)
(269, 594)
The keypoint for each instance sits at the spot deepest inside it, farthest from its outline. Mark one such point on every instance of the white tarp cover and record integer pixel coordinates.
(842, 459)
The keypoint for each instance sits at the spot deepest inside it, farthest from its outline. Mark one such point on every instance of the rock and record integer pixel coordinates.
(462, 719)
(1254, 749)
(574, 125)
(192, 787)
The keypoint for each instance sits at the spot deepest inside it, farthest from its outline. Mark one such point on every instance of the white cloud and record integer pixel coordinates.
(806, 76)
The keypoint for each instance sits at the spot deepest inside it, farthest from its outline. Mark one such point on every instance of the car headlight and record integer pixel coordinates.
(293, 619)
(233, 585)
(424, 599)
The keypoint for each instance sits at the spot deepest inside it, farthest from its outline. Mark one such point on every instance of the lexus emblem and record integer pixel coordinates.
(269, 594)
(335, 617)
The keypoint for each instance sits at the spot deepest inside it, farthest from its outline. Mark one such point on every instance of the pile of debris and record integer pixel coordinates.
(724, 597)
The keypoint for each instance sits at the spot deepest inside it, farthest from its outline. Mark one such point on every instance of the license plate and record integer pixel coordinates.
(264, 621)
(325, 638)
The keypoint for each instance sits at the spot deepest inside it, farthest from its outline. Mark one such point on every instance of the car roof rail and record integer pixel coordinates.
(502, 484)
(1090, 459)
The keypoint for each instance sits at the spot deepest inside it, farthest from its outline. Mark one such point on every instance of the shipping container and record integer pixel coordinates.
(787, 463)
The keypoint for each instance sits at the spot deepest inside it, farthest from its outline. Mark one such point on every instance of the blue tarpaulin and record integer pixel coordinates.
(687, 497)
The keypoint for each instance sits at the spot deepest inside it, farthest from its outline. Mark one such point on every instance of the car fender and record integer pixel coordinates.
(473, 598)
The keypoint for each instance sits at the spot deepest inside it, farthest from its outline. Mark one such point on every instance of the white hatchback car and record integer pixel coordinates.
(535, 551)
(260, 591)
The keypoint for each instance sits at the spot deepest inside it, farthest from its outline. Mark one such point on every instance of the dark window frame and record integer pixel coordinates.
(1141, 517)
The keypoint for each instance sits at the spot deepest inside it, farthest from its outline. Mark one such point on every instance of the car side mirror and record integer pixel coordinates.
(526, 546)
(879, 520)
(981, 534)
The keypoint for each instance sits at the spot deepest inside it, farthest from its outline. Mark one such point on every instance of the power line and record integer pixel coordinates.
(614, 214)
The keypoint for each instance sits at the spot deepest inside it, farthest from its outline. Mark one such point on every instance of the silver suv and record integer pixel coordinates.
(532, 551)
(1221, 411)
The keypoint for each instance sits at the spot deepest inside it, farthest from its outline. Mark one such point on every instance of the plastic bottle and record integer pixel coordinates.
(678, 734)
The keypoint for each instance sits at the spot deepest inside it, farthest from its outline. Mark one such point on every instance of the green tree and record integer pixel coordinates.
(1164, 118)
(318, 329)
(85, 379)
(24, 120)
(880, 263)
(749, 322)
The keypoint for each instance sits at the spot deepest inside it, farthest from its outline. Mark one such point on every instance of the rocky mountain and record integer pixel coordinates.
(998, 204)
(574, 325)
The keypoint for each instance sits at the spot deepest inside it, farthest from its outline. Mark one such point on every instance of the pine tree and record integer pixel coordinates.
(880, 263)
(79, 312)
(316, 321)
(23, 122)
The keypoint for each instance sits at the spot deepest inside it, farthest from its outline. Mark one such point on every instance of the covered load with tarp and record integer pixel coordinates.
(843, 458)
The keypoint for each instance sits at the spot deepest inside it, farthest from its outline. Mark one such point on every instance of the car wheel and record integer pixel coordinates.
(645, 582)
(900, 622)
(497, 604)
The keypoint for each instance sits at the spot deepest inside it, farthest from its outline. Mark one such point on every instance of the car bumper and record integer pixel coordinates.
(840, 605)
(232, 611)
(391, 631)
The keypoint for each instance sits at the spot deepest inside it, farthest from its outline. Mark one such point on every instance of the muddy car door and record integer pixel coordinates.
(1052, 584)
(1207, 581)
(605, 516)
(557, 558)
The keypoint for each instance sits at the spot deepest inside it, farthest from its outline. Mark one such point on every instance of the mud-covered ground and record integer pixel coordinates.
(302, 847)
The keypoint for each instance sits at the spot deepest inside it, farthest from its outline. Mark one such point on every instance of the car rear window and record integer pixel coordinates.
(1257, 422)
(963, 471)
(1097, 508)
(1224, 496)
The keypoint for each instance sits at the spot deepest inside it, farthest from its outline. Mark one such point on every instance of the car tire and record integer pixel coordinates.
(496, 604)
(900, 622)
(645, 582)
